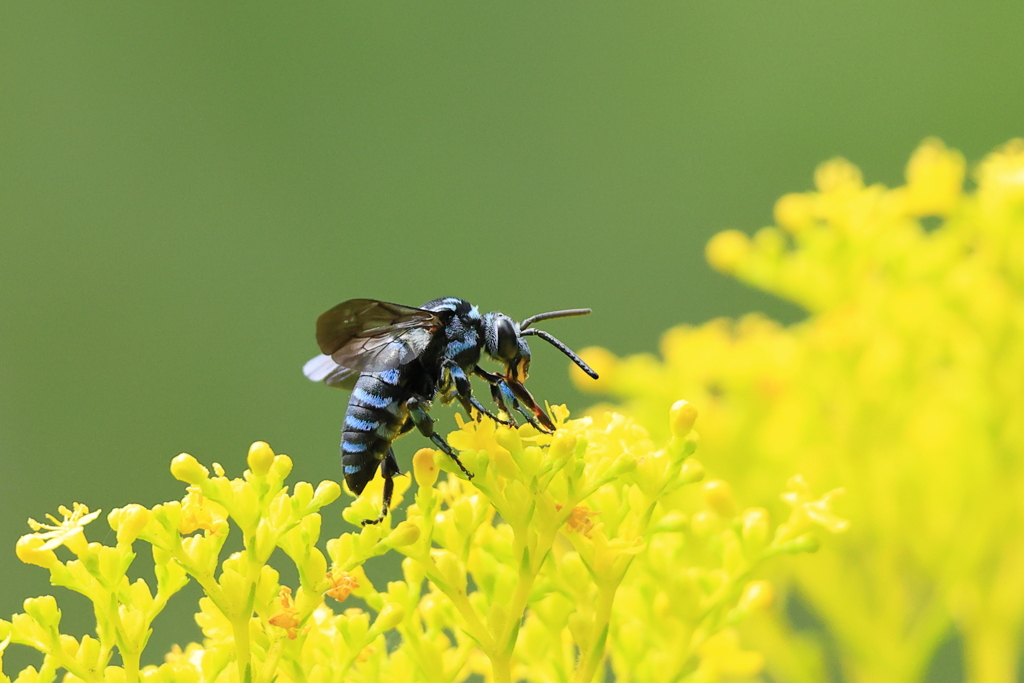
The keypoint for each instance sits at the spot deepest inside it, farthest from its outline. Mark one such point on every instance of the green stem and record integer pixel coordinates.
(270, 667)
(991, 655)
(475, 627)
(243, 653)
(592, 654)
(240, 621)
(131, 666)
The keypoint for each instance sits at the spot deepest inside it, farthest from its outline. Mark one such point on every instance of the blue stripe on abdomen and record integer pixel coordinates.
(352, 469)
(349, 447)
(369, 399)
(389, 376)
(360, 425)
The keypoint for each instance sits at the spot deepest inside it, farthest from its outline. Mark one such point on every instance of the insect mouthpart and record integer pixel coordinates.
(518, 370)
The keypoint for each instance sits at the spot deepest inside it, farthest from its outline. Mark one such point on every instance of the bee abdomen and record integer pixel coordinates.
(372, 422)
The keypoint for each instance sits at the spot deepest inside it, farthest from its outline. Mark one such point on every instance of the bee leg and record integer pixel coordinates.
(406, 426)
(498, 393)
(504, 390)
(464, 391)
(425, 424)
(542, 422)
(388, 469)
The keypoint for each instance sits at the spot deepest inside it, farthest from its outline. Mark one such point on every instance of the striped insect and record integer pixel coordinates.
(397, 359)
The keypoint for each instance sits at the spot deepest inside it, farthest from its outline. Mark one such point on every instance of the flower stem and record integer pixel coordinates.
(593, 654)
(991, 656)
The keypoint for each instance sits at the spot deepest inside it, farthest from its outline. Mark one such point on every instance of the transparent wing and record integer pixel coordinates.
(322, 368)
(365, 335)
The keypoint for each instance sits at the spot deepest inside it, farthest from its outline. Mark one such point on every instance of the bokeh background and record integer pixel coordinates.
(184, 188)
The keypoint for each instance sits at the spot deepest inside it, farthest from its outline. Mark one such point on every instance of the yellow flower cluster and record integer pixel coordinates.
(568, 553)
(905, 384)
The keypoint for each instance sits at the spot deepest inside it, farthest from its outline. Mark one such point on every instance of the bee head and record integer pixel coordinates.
(504, 343)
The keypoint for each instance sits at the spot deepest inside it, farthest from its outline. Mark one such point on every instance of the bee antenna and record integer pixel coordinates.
(567, 313)
(559, 345)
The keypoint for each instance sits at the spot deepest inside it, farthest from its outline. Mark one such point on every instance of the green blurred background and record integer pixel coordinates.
(184, 188)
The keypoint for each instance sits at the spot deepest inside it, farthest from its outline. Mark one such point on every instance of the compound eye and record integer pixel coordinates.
(508, 344)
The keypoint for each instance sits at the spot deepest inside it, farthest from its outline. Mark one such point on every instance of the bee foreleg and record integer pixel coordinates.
(388, 469)
(539, 419)
(499, 392)
(464, 392)
(502, 391)
(425, 424)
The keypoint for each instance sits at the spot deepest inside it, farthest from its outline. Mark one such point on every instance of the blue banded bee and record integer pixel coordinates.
(396, 359)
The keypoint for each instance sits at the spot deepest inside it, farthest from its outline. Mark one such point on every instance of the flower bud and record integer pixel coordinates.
(718, 496)
(326, 493)
(133, 621)
(424, 469)
(354, 627)
(691, 471)
(260, 458)
(187, 469)
(44, 610)
(530, 461)
(704, 524)
(807, 543)
(315, 564)
(302, 495)
(28, 551)
(450, 569)
(236, 591)
(727, 251)
(672, 521)
(518, 499)
(794, 212)
(281, 467)
(129, 522)
(88, 654)
(510, 440)
(413, 572)
(201, 551)
(563, 445)
(404, 534)
(755, 529)
(682, 415)
(757, 596)
(733, 560)
(69, 645)
(390, 616)
(623, 464)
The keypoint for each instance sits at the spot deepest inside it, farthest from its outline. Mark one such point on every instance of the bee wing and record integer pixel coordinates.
(365, 335)
(322, 368)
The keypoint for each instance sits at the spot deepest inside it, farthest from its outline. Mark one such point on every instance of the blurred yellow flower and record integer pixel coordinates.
(903, 386)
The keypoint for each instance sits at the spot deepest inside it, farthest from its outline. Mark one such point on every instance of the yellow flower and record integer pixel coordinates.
(902, 385)
(342, 585)
(287, 616)
(198, 512)
(67, 531)
(720, 656)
